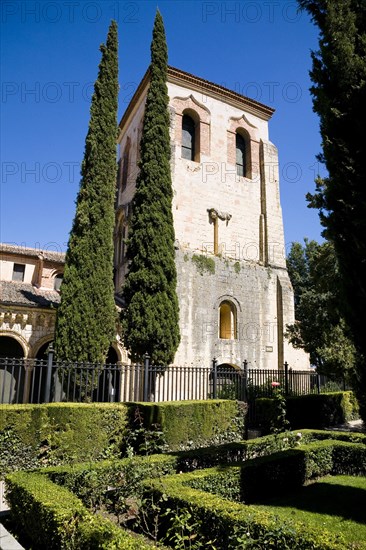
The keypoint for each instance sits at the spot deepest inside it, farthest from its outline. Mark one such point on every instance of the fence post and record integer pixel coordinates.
(245, 380)
(318, 382)
(214, 378)
(146, 376)
(47, 391)
(286, 378)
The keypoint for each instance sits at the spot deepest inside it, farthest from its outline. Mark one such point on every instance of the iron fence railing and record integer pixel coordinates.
(39, 381)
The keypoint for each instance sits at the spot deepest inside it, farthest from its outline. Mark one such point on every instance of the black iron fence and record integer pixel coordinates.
(38, 381)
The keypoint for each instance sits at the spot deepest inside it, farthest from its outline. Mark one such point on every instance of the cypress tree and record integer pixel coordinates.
(339, 97)
(86, 318)
(150, 319)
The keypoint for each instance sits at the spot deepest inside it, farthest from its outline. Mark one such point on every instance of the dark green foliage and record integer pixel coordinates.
(86, 318)
(54, 518)
(288, 470)
(320, 328)
(59, 433)
(232, 525)
(339, 98)
(313, 411)
(182, 504)
(90, 481)
(224, 482)
(40, 435)
(150, 319)
(231, 453)
(192, 424)
(279, 421)
(144, 437)
(321, 410)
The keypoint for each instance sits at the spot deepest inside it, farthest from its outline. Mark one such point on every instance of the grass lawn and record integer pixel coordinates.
(334, 503)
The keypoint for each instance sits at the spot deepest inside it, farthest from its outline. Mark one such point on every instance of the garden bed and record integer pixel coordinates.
(203, 505)
(334, 503)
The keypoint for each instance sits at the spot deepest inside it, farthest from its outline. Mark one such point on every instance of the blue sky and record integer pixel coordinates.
(50, 55)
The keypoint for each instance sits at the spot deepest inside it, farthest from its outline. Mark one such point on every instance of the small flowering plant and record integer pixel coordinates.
(298, 438)
(279, 423)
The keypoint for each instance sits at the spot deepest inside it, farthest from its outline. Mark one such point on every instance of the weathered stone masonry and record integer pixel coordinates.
(234, 292)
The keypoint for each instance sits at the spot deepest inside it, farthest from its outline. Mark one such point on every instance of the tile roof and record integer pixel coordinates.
(25, 294)
(50, 255)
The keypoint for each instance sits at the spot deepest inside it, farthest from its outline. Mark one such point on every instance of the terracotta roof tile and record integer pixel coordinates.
(25, 294)
(33, 252)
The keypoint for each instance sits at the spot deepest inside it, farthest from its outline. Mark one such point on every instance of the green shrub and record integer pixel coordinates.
(54, 519)
(233, 525)
(185, 499)
(90, 482)
(287, 471)
(231, 453)
(313, 410)
(321, 410)
(192, 424)
(58, 433)
(224, 482)
(226, 525)
(320, 435)
(49, 434)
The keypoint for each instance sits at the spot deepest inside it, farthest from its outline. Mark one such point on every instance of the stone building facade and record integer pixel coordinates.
(29, 282)
(235, 296)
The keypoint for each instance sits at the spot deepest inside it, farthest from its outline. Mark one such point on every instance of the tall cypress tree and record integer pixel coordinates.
(339, 98)
(150, 319)
(86, 318)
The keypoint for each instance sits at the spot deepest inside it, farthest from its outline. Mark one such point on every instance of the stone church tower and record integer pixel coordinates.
(235, 296)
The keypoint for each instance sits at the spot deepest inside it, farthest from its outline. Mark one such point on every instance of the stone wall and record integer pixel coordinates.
(253, 289)
(232, 224)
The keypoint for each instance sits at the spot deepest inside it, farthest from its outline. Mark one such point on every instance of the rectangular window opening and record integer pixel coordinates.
(18, 272)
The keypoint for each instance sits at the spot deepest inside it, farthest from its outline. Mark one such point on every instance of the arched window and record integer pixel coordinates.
(241, 152)
(188, 137)
(227, 321)
(57, 281)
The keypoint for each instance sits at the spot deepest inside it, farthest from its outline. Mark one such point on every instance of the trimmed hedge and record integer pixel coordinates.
(39, 435)
(54, 519)
(313, 410)
(32, 436)
(193, 424)
(282, 472)
(321, 435)
(287, 471)
(45, 435)
(230, 525)
(321, 410)
(90, 482)
(240, 451)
